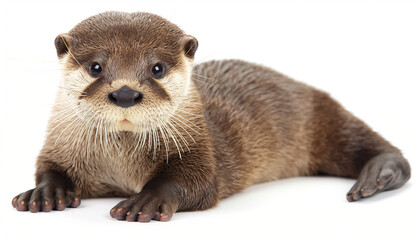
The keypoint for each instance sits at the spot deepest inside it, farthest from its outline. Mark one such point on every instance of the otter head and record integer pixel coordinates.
(126, 71)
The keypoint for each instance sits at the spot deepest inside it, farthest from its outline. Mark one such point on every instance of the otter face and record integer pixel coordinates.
(125, 72)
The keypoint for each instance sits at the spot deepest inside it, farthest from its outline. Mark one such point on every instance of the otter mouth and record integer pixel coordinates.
(125, 121)
(126, 125)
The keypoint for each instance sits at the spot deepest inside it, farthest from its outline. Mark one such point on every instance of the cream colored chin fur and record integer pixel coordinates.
(125, 126)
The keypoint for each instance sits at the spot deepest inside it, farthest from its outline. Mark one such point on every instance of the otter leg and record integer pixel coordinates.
(161, 198)
(181, 185)
(344, 146)
(158, 200)
(385, 171)
(53, 191)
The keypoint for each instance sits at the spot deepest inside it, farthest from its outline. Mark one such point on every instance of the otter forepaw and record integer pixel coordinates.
(144, 207)
(384, 172)
(45, 198)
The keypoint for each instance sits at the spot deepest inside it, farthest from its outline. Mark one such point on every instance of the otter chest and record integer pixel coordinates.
(114, 175)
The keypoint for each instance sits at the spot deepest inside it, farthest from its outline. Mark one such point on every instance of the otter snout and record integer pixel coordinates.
(125, 97)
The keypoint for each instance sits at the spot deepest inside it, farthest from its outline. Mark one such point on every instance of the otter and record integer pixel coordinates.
(134, 118)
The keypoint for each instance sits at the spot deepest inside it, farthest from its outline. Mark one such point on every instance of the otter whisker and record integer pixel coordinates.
(100, 130)
(96, 135)
(109, 137)
(61, 122)
(188, 121)
(75, 90)
(154, 142)
(104, 138)
(78, 126)
(156, 133)
(165, 141)
(201, 81)
(90, 135)
(144, 135)
(184, 129)
(84, 130)
(193, 114)
(59, 119)
(78, 133)
(61, 116)
(113, 135)
(138, 138)
(150, 141)
(65, 130)
(187, 124)
(174, 139)
(180, 136)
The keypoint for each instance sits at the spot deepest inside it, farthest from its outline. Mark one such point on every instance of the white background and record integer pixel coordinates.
(365, 53)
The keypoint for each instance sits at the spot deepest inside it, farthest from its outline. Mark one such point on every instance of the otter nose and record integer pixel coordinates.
(125, 97)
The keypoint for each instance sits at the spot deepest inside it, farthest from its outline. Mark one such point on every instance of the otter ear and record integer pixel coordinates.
(190, 45)
(63, 43)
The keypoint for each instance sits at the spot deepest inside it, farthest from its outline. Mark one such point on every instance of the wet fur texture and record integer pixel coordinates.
(199, 135)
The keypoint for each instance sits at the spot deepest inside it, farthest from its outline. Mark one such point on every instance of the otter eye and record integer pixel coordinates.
(158, 70)
(95, 69)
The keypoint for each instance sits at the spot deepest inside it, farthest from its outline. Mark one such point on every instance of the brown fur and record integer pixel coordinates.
(233, 123)
(272, 127)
